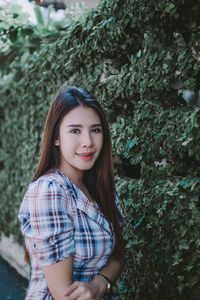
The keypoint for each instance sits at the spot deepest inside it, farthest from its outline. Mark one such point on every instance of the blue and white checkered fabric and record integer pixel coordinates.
(58, 221)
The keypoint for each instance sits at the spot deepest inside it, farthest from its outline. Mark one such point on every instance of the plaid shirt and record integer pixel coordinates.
(57, 221)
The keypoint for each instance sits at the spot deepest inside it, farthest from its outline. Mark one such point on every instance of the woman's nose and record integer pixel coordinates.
(87, 140)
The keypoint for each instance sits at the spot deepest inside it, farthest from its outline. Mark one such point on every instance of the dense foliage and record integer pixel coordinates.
(19, 38)
(141, 60)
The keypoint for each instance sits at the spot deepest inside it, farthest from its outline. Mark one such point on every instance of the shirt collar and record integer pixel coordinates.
(83, 204)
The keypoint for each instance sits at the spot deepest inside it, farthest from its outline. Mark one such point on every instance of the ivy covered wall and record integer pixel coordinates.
(141, 60)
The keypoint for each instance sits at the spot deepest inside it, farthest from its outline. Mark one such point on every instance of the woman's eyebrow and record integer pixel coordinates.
(74, 125)
(79, 125)
(97, 125)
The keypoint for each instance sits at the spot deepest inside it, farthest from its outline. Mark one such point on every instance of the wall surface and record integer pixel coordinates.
(87, 3)
(13, 253)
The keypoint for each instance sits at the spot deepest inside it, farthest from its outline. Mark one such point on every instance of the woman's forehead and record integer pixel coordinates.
(82, 115)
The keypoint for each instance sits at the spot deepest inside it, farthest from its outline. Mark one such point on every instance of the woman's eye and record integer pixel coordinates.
(96, 130)
(76, 130)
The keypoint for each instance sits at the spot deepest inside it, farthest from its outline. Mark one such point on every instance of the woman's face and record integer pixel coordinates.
(80, 140)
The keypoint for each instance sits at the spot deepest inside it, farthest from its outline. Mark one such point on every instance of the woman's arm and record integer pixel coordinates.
(59, 277)
(111, 270)
(95, 289)
(114, 267)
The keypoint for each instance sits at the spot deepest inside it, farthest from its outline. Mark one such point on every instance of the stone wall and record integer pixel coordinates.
(13, 253)
(87, 3)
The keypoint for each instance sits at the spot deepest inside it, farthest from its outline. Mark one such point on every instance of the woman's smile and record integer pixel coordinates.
(86, 156)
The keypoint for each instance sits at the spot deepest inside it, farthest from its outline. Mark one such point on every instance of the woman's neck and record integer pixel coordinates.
(75, 177)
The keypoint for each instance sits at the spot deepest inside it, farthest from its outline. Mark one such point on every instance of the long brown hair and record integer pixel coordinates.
(100, 179)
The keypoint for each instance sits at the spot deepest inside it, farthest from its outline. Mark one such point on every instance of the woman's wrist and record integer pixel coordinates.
(99, 285)
(107, 281)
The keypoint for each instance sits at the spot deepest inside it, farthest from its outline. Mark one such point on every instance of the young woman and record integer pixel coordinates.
(69, 215)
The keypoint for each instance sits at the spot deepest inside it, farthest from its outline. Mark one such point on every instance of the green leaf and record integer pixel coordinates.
(39, 16)
(165, 66)
(169, 7)
(187, 141)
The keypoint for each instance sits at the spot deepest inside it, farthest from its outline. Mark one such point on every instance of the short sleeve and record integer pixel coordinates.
(47, 222)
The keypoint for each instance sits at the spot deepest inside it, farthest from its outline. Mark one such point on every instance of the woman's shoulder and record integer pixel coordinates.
(55, 178)
(52, 182)
(47, 189)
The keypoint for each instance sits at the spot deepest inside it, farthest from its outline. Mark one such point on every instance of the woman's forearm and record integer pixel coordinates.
(112, 271)
(59, 277)
(113, 268)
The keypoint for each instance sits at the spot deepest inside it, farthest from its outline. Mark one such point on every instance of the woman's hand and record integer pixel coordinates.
(93, 290)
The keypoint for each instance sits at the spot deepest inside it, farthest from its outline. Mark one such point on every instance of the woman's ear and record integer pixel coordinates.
(57, 142)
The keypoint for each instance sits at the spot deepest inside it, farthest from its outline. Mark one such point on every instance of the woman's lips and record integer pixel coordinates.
(86, 156)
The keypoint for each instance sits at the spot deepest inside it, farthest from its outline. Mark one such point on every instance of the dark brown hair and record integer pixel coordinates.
(100, 179)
